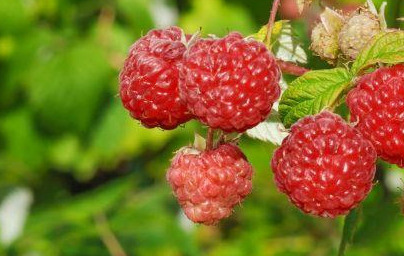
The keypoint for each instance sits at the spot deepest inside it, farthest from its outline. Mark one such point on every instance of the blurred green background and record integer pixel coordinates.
(91, 181)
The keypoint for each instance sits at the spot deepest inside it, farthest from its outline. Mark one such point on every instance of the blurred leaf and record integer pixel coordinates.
(78, 208)
(23, 51)
(65, 151)
(67, 89)
(384, 48)
(312, 93)
(24, 148)
(216, 17)
(14, 16)
(136, 14)
(118, 137)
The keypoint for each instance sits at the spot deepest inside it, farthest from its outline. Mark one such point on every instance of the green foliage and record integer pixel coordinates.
(213, 22)
(66, 89)
(385, 48)
(312, 93)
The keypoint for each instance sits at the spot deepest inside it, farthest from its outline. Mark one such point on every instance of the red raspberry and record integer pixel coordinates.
(209, 184)
(149, 79)
(377, 104)
(230, 83)
(324, 166)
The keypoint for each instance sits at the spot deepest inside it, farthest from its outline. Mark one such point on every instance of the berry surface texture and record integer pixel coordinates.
(377, 105)
(324, 166)
(230, 83)
(208, 184)
(149, 79)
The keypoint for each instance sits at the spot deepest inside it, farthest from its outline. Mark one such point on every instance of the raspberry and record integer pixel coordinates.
(149, 79)
(230, 83)
(324, 166)
(324, 36)
(377, 104)
(208, 184)
(357, 31)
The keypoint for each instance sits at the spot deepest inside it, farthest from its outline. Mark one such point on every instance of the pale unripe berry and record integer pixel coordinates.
(324, 44)
(324, 36)
(357, 32)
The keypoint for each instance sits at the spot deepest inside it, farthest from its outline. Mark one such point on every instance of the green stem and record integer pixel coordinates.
(350, 224)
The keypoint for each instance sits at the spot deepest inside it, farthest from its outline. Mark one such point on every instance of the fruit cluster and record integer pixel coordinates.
(325, 166)
(229, 84)
(339, 36)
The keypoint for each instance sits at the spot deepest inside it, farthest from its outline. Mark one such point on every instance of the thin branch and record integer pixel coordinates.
(107, 236)
(209, 139)
(291, 68)
(271, 20)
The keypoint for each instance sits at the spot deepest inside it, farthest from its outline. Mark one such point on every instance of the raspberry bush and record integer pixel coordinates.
(332, 124)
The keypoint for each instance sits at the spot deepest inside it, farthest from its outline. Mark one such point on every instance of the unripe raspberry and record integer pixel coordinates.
(377, 105)
(149, 79)
(324, 36)
(230, 83)
(357, 32)
(208, 184)
(324, 166)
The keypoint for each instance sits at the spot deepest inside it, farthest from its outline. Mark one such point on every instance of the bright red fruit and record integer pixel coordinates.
(324, 166)
(208, 184)
(377, 104)
(149, 79)
(230, 83)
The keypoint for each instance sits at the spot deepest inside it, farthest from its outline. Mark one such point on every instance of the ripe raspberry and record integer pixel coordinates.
(149, 79)
(209, 184)
(230, 83)
(377, 104)
(357, 31)
(324, 166)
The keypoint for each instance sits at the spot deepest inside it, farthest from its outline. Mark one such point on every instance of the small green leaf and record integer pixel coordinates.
(385, 48)
(283, 44)
(313, 92)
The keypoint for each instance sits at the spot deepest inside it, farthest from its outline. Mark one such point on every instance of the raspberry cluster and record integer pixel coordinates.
(226, 83)
(229, 83)
(325, 166)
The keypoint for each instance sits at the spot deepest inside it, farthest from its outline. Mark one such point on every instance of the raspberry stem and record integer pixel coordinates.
(209, 138)
(350, 223)
(271, 21)
(291, 68)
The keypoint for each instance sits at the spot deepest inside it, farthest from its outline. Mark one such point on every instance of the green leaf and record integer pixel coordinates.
(66, 90)
(23, 146)
(283, 44)
(313, 92)
(350, 223)
(385, 48)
